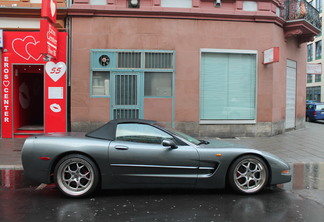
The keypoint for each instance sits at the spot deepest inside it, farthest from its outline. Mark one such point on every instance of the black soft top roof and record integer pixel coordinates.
(108, 131)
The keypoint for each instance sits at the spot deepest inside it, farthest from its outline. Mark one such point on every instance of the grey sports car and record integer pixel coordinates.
(143, 154)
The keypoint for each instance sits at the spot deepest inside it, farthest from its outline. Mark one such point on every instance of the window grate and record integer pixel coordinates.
(158, 60)
(129, 60)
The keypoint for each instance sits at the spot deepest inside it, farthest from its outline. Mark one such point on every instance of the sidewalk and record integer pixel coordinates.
(298, 146)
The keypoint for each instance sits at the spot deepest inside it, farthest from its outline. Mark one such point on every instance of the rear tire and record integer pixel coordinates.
(248, 174)
(76, 175)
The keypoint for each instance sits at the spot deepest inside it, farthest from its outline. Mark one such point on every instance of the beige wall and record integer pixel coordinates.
(186, 37)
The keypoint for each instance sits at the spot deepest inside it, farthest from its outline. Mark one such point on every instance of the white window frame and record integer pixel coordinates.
(234, 51)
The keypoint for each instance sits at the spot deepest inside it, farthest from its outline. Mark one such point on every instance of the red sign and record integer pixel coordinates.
(23, 48)
(49, 10)
(55, 96)
(49, 37)
(6, 96)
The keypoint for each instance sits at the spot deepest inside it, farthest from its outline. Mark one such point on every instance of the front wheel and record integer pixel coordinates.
(248, 174)
(76, 176)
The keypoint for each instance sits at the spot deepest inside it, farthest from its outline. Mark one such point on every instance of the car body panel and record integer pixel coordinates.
(154, 163)
(127, 164)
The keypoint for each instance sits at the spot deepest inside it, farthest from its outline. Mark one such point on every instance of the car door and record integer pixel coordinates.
(138, 156)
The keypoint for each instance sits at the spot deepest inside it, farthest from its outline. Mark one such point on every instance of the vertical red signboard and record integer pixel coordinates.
(49, 10)
(6, 111)
(49, 39)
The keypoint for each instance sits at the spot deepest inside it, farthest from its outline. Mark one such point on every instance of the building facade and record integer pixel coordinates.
(196, 65)
(218, 68)
(315, 82)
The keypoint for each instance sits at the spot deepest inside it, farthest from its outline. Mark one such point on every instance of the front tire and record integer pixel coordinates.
(248, 174)
(76, 176)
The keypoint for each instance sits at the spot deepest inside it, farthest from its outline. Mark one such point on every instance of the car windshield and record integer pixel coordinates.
(182, 135)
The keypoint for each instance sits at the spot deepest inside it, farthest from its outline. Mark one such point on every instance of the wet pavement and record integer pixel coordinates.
(159, 205)
(300, 200)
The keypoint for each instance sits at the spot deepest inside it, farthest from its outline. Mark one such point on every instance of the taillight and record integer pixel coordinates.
(315, 113)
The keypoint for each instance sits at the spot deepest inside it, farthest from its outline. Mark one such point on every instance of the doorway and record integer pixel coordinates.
(28, 99)
(127, 99)
(291, 75)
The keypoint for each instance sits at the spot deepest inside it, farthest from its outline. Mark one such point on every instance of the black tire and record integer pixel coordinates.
(248, 174)
(76, 175)
(307, 119)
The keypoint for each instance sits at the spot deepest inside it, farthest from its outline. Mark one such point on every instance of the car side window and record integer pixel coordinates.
(309, 106)
(140, 133)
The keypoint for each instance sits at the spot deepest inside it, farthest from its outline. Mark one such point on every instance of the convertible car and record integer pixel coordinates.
(143, 154)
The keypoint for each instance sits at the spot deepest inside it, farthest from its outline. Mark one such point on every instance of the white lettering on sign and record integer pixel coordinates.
(51, 40)
(5, 88)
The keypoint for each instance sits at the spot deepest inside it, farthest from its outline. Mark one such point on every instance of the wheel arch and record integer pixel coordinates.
(62, 155)
(250, 154)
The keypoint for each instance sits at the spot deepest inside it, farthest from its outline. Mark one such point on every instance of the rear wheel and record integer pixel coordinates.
(76, 175)
(307, 119)
(248, 174)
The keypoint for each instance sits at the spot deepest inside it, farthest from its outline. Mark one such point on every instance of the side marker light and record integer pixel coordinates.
(219, 154)
(285, 172)
(44, 158)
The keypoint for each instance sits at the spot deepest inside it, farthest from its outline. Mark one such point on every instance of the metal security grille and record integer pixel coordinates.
(158, 60)
(126, 97)
(129, 60)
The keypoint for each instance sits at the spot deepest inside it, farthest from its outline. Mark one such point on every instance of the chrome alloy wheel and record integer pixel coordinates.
(249, 174)
(76, 176)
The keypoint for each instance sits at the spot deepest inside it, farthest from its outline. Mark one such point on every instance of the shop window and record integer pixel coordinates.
(228, 86)
(100, 83)
(318, 78)
(313, 93)
(309, 78)
(176, 4)
(158, 84)
(318, 49)
(310, 52)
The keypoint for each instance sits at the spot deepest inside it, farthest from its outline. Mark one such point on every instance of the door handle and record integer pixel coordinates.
(120, 147)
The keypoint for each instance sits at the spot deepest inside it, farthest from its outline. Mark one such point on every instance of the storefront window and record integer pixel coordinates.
(313, 93)
(228, 86)
(158, 84)
(100, 83)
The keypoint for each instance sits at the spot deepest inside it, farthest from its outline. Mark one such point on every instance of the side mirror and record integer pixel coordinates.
(169, 143)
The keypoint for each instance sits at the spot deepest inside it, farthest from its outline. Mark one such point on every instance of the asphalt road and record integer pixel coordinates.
(274, 204)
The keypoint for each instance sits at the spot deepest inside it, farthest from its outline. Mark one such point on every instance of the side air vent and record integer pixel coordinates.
(104, 60)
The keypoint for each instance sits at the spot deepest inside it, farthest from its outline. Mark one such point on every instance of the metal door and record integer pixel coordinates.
(127, 96)
(291, 95)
